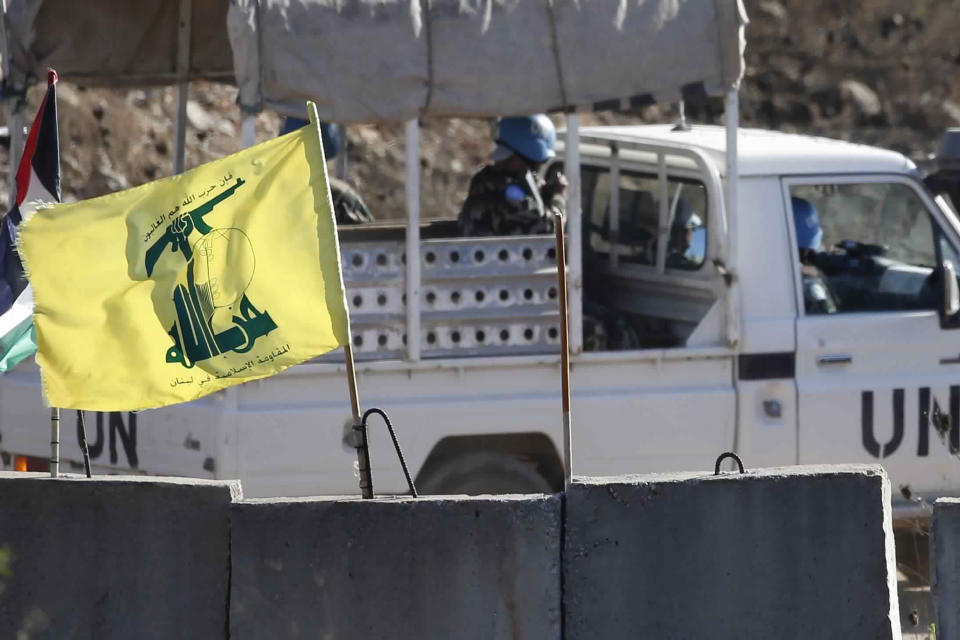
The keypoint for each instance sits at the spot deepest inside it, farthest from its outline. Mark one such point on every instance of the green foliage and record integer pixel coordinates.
(6, 561)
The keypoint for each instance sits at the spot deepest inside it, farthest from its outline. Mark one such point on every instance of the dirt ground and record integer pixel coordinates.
(876, 71)
(917, 614)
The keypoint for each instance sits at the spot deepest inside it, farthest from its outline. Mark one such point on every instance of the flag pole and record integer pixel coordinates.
(54, 442)
(363, 451)
(564, 351)
(54, 411)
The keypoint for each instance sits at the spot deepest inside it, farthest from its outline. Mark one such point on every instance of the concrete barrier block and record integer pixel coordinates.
(800, 552)
(485, 567)
(945, 566)
(114, 557)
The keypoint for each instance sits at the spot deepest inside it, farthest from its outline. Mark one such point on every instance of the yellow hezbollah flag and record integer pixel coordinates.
(167, 292)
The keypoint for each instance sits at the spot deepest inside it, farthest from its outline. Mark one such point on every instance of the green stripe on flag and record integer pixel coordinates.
(17, 345)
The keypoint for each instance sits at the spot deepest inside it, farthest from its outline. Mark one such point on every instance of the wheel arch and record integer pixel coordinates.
(534, 447)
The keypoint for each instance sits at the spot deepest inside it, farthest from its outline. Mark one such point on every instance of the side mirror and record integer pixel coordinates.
(951, 291)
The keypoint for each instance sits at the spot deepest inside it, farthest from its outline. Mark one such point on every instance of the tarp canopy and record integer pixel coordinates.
(390, 60)
(372, 60)
(113, 42)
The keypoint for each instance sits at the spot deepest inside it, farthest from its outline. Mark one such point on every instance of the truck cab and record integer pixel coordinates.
(847, 348)
(814, 321)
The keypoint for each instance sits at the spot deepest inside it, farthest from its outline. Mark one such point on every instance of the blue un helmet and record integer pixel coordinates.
(807, 223)
(533, 137)
(685, 217)
(329, 133)
(686, 251)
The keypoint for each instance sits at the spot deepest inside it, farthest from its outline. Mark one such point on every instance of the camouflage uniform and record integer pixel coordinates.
(348, 207)
(503, 203)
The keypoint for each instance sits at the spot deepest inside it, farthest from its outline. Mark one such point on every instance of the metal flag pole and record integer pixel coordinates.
(564, 351)
(84, 449)
(363, 450)
(183, 84)
(54, 442)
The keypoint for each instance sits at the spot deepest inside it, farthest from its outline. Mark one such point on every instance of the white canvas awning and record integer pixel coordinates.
(390, 60)
(114, 42)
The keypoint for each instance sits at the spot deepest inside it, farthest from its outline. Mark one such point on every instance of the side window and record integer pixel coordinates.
(864, 247)
(687, 245)
(948, 253)
(638, 219)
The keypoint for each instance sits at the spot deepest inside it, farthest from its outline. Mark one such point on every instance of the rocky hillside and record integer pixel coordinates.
(882, 72)
(877, 71)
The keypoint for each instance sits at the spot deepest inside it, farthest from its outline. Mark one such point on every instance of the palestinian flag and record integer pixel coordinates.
(38, 183)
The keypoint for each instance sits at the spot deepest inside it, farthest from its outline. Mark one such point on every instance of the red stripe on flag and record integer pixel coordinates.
(26, 160)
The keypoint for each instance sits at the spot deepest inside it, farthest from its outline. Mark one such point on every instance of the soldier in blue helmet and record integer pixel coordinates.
(348, 206)
(507, 197)
(817, 297)
(681, 252)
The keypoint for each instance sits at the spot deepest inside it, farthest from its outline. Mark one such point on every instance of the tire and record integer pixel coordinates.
(483, 473)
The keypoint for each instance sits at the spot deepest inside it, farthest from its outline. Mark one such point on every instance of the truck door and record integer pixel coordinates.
(877, 364)
(653, 389)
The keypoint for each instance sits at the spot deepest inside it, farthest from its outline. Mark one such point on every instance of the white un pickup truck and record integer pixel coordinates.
(817, 325)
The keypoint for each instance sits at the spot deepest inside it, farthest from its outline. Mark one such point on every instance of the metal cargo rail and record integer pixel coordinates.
(478, 297)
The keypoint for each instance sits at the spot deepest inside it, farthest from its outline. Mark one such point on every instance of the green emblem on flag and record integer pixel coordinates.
(215, 289)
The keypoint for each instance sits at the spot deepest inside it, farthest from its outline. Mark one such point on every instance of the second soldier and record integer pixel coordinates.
(507, 197)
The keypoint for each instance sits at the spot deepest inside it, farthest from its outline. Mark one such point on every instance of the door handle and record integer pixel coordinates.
(835, 358)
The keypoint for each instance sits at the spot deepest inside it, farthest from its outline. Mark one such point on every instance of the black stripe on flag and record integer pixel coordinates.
(46, 155)
(12, 279)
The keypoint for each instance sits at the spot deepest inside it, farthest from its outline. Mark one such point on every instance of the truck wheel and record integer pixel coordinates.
(483, 473)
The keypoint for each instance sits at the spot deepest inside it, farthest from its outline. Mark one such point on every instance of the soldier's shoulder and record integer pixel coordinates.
(492, 176)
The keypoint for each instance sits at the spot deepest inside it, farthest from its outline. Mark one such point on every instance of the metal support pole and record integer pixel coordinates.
(564, 353)
(54, 442)
(183, 86)
(574, 228)
(4, 41)
(732, 204)
(413, 240)
(614, 223)
(180, 129)
(12, 110)
(15, 128)
(663, 231)
(248, 131)
(342, 156)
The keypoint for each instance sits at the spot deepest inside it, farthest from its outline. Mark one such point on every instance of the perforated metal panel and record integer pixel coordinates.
(374, 275)
(479, 296)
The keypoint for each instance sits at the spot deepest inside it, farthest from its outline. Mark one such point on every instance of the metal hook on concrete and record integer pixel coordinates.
(362, 429)
(724, 456)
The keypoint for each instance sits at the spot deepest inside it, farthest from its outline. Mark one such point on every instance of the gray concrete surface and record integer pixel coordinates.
(800, 552)
(484, 568)
(945, 566)
(113, 557)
